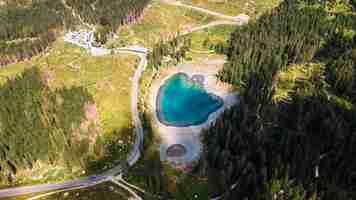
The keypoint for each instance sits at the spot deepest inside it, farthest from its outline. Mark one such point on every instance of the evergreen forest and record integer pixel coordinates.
(29, 27)
(293, 134)
(173, 50)
(38, 123)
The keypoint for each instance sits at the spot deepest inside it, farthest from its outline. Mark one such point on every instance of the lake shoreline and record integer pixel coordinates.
(189, 136)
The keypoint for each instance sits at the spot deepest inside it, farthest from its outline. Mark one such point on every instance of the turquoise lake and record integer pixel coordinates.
(184, 102)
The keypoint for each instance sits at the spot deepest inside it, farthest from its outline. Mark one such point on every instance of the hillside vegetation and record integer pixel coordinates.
(27, 28)
(160, 22)
(293, 134)
(37, 123)
(236, 7)
(95, 117)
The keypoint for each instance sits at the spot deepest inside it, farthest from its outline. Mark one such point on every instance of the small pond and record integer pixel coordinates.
(183, 101)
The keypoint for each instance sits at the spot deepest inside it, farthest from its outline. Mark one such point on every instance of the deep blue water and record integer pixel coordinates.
(182, 102)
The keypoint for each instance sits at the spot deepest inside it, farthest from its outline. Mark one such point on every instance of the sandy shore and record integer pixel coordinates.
(189, 136)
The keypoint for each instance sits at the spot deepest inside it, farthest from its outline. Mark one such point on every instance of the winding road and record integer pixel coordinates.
(109, 175)
(115, 174)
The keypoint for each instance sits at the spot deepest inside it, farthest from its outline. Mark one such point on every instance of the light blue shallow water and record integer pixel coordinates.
(182, 102)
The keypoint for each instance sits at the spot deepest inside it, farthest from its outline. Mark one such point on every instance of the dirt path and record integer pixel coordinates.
(240, 18)
(135, 153)
(212, 24)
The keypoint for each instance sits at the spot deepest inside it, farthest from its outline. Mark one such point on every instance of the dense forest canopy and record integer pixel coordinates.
(174, 50)
(293, 135)
(108, 12)
(28, 27)
(38, 123)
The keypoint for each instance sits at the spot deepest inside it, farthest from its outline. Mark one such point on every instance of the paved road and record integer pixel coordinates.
(110, 174)
(135, 153)
(138, 130)
(85, 182)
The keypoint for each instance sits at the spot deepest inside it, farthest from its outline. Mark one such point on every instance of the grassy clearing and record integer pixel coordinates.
(162, 21)
(159, 22)
(236, 7)
(214, 35)
(108, 80)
